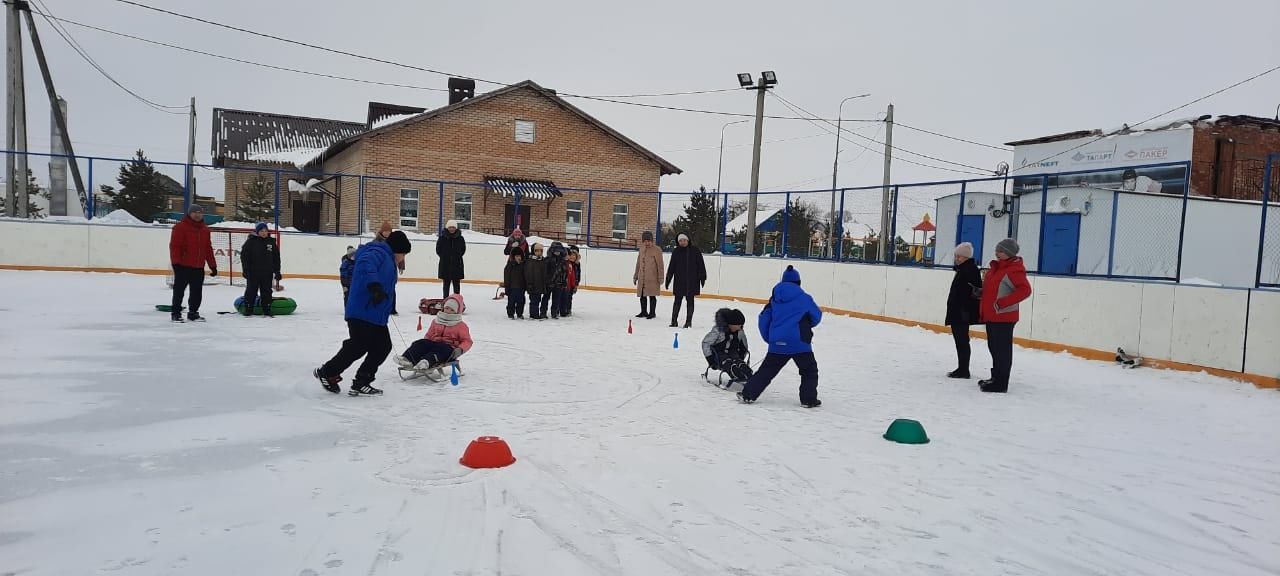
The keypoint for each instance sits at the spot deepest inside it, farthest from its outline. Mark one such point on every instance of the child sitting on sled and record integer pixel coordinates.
(725, 346)
(446, 339)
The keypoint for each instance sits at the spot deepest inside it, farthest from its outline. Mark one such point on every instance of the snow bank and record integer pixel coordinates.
(120, 216)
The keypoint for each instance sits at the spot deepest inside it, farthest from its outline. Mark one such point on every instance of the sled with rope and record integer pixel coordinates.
(435, 373)
(727, 377)
(499, 294)
(430, 306)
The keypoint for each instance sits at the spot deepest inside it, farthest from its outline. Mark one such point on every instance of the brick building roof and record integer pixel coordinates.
(1237, 120)
(246, 135)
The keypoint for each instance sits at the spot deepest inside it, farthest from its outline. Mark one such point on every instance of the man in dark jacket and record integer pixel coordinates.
(536, 282)
(962, 305)
(513, 282)
(558, 277)
(689, 275)
(787, 323)
(189, 250)
(450, 247)
(373, 295)
(345, 270)
(259, 263)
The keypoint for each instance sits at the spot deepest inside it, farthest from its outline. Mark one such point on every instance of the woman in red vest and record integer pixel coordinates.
(1004, 286)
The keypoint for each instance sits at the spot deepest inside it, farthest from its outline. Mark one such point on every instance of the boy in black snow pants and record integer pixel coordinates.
(725, 346)
(537, 283)
(513, 281)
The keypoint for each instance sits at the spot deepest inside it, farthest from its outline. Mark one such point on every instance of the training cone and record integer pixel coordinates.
(905, 431)
(453, 375)
(487, 452)
(419, 323)
(628, 326)
(676, 343)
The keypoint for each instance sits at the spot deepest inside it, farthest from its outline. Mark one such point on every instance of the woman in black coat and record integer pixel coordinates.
(450, 247)
(962, 305)
(688, 274)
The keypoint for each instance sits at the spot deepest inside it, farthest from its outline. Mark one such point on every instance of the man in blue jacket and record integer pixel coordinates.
(372, 297)
(786, 323)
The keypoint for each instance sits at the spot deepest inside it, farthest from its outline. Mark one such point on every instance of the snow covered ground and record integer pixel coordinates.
(129, 445)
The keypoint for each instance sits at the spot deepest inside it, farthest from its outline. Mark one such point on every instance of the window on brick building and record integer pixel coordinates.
(409, 208)
(525, 131)
(620, 221)
(573, 219)
(462, 209)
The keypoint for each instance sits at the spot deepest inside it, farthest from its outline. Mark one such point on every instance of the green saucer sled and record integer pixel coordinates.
(279, 306)
(905, 431)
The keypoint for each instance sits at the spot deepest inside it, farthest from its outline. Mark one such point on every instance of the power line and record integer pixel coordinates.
(956, 138)
(717, 147)
(611, 99)
(1165, 113)
(689, 93)
(983, 171)
(814, 120)
(856, 158)
(84, 54)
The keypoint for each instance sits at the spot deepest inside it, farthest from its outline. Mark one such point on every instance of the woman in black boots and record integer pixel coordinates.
(962, 305)
(689, 274)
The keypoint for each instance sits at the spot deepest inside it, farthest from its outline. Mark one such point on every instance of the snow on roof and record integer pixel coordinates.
(299, 157)
(243, 134)
(762, 215)
(389, 119)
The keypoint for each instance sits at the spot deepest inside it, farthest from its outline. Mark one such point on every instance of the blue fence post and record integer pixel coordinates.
(277, 203)
(1262, 228)
(960, 221)
(186, 188)
(657, 229)
(1044, 205)
(891, 252)
(89, 197)
(590, 199)
(786, 224)
(1111, 244)
(839, 255)
(360, 209)
(1182, 226)
(440, 211)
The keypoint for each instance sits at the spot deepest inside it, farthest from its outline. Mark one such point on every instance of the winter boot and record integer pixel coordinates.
(330, 383)
(402, 362)
(992, 386)
(176, 317)
(745, 400)
(958, 373)
(364, 390)
(816, 403)
(195, 317)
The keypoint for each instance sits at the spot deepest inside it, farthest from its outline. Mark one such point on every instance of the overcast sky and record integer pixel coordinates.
(985, 70)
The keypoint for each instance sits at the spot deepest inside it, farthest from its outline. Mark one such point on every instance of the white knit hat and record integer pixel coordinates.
(964, 249)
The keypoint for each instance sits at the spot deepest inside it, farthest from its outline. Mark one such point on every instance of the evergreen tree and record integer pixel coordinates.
(803, 219)
(33, 189)
(699, 220)
(902, 250)
(141, 192)
(256, 204)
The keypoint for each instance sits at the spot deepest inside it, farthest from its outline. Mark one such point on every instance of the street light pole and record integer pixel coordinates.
(755, 167)
(719, 171)
(835, 170)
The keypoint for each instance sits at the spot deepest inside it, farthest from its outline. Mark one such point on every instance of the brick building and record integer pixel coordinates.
(1227, 155)
(468, 161)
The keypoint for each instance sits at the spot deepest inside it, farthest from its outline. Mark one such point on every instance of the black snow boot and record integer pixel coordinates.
(195, 317)
(958, 373)
(992, 386)
(330, 383)
(816, 403)
(745, 400)
(177, 317)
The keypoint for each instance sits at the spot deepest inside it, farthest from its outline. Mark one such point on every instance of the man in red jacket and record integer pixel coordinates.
(1003, 288)
(189, 251)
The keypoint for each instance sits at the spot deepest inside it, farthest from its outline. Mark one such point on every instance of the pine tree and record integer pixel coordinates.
(33, 189)
(141, 191)
(256, 204)
(699, 220)
(803, 219)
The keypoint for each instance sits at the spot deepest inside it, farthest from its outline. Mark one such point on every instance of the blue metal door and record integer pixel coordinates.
(972, 230)
(1061, 247)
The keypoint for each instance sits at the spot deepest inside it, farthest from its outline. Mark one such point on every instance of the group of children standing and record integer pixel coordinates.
(549, 281)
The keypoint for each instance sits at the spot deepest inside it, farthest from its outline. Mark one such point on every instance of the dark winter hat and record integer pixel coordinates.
(791, 275)
(517, 252)
(734, 317)
(1008, 246)
(259, 227)
(399, 243)
(647, 236)
(573, 247)
(195, 208)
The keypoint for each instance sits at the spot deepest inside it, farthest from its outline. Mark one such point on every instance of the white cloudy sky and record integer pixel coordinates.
(986, 70)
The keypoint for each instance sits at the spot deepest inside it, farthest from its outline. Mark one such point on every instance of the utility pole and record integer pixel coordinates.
(884, 193)
(15, 114)
(191, 158)
(59, 118)
(57, 162)
(835, 171)
(755, 163)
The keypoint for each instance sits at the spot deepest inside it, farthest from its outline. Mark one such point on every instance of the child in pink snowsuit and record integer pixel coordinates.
(446, 339)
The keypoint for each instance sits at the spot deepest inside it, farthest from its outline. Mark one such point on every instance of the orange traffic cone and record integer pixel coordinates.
(419, 322)
(628, 326)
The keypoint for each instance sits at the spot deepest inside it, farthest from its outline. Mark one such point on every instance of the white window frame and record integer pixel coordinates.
(416, 198)
(571, 229)
(620, 234)
(464, 223)
(526, 131)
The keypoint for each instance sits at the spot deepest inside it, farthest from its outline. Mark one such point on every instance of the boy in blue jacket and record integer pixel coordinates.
(786, 323)
(372, 297)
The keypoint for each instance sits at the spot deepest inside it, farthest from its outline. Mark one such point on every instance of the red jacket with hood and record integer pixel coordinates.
(189, 245)
(1004, 287)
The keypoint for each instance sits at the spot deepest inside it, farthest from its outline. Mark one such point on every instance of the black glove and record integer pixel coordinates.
(711, 361)
(278, 277)
(376, 294)
(456, 353)
(213, 272)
